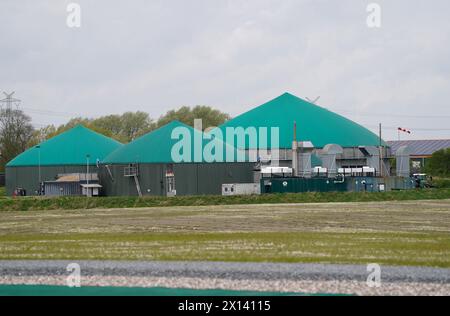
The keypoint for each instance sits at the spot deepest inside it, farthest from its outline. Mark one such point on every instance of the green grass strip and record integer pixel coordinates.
(75, 203)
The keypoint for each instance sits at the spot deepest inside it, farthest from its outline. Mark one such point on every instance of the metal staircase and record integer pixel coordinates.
(133, 171)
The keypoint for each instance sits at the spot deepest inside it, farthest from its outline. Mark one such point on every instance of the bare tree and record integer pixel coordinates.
(15, 133)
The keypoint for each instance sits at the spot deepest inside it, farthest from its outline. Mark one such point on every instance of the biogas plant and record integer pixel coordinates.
(287, 145)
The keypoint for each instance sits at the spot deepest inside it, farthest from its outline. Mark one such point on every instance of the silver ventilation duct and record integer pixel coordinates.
(403, 156)
(329, 155)
(303, 159)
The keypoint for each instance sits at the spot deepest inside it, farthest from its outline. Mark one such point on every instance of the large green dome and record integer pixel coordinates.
(314, 124)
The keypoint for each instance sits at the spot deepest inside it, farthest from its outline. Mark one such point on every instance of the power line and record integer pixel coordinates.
(369, 114)
(50, 112)
(39, 125)
(420, 129)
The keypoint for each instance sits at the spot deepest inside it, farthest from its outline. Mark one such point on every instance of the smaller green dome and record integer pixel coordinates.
(69, 148)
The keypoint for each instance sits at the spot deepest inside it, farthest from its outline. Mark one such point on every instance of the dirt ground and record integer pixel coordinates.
(416, 216)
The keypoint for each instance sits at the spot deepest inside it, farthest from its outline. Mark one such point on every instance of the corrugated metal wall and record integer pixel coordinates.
(63, 189)
(28, 177)
(191, 179)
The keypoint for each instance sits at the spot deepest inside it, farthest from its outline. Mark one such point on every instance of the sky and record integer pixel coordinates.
(233, 55)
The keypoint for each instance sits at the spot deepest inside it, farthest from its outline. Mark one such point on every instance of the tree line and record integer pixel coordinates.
(17, 133)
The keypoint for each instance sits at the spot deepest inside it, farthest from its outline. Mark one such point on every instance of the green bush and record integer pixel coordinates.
(439, 163)
(441, 183)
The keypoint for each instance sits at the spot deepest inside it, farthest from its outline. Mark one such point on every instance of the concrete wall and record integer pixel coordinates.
(191, 179)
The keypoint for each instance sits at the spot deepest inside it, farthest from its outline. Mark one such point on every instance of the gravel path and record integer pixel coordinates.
(301, 278)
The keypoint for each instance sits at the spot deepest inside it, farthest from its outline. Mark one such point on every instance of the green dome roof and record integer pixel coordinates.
(68, 148)
(156, 147)
(314, 123)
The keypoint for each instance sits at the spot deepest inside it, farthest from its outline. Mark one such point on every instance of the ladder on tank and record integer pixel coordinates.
(133, 171)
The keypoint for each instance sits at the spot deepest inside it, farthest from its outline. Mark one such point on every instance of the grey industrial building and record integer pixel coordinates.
(420, 150)
(316, 144)
(72, 152)
(146, 167)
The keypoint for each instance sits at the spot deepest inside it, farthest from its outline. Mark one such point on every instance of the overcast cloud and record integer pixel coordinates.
(231, 54)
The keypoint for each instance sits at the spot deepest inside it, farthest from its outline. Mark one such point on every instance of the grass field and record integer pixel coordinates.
(395, 233)
(77, 203)
(2, 192)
